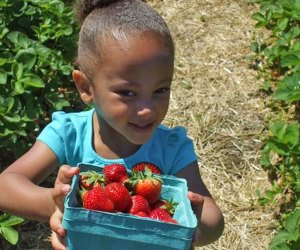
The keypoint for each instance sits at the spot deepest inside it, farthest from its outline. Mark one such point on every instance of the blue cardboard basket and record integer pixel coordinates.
(88, 229)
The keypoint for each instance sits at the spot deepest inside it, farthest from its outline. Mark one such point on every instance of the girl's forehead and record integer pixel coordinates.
(135, 59)
(131, 53)
(136, 45)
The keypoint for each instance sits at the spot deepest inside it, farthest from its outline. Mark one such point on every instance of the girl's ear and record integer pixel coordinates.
(83, 85)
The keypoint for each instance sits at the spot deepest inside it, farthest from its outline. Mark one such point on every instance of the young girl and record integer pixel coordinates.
(125, 69)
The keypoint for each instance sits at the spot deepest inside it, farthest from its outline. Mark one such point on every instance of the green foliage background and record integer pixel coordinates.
(37, 48)
(278, 58)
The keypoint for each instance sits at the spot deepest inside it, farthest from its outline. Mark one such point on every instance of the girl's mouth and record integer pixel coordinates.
(142, 127)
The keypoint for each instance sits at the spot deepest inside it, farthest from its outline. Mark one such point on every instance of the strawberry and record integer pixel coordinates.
(162, 215)
(123, 179)
(141, 167)
(147, 185)
(115, 173)
(141, 214)
(118, 194)
(97, 199)
(137, 204)
(169, 206)
(171, 220)
(89, 179)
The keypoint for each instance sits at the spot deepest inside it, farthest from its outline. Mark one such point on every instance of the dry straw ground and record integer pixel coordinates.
(216, 97)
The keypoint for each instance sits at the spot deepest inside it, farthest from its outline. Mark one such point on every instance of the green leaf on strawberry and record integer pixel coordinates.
(89, 179)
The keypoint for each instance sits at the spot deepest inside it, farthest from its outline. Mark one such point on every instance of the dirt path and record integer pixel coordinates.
(216, 96)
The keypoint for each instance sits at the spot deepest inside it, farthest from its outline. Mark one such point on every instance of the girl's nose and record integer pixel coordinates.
(146, 108)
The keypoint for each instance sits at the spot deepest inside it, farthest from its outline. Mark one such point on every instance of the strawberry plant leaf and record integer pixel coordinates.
(3, 76)
(10, 234)
(282, 23)
(291, 135)
(11, 220)
(293, 221)
(20, 40)
(278, 147)
(282, 238)
(6, 227)
(290, 59)
(15, 118)
(259, 17)
(27, 57)
(279, 246)
(17, 70)
(32, 80)
(285, 133)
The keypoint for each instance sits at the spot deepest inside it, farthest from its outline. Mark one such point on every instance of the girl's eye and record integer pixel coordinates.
(126, 93)
(162, 90)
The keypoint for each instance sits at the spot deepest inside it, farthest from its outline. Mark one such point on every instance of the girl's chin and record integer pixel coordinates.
(139, 140)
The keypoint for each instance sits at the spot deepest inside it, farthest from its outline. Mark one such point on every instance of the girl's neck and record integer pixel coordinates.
(110, 145)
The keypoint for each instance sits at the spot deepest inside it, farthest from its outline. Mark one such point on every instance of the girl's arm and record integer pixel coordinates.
(210, 218)
(20, 193)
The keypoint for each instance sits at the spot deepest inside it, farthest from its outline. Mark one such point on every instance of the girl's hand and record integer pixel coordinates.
(197, 202)
(58, 232)
(60, 190)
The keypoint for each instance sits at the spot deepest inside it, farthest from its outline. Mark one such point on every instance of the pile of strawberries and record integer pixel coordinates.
(113, 190)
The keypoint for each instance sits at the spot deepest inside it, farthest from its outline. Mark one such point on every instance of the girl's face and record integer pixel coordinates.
(131, 88)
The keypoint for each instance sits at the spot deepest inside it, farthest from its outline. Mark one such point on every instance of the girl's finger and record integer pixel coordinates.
(197, 201)
(66, 173)
(57, 242)
(59, 193)
(56, 223)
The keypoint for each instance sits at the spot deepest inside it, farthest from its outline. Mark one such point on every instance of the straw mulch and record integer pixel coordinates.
(216, 97)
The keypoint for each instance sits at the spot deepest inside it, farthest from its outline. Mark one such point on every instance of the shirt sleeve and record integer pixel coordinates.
(53, 135)
(180, 150)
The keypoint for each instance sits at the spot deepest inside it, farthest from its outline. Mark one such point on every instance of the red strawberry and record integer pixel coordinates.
(137, 204)
(169, 206)
(97, 199)
(140, 167)
(171, 220)
(123, 179)
(89, 179)
(147, 185)
(159, 214)
(141, 214)
(118, 194)
(114, 173)
(162, 215)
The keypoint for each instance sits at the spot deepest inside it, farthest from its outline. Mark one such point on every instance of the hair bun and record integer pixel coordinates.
(102, 3)
(84, 7)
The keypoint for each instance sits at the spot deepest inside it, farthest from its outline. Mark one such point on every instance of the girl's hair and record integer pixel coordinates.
(118, 20)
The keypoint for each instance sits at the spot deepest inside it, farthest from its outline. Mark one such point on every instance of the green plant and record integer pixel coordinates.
(7, 230)
(281, 154)
(281, 157)
(279, 55)
(289, 237)
(37, 46)
(289, 88)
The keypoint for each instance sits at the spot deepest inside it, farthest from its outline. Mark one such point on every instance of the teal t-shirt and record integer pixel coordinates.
(69, 136)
